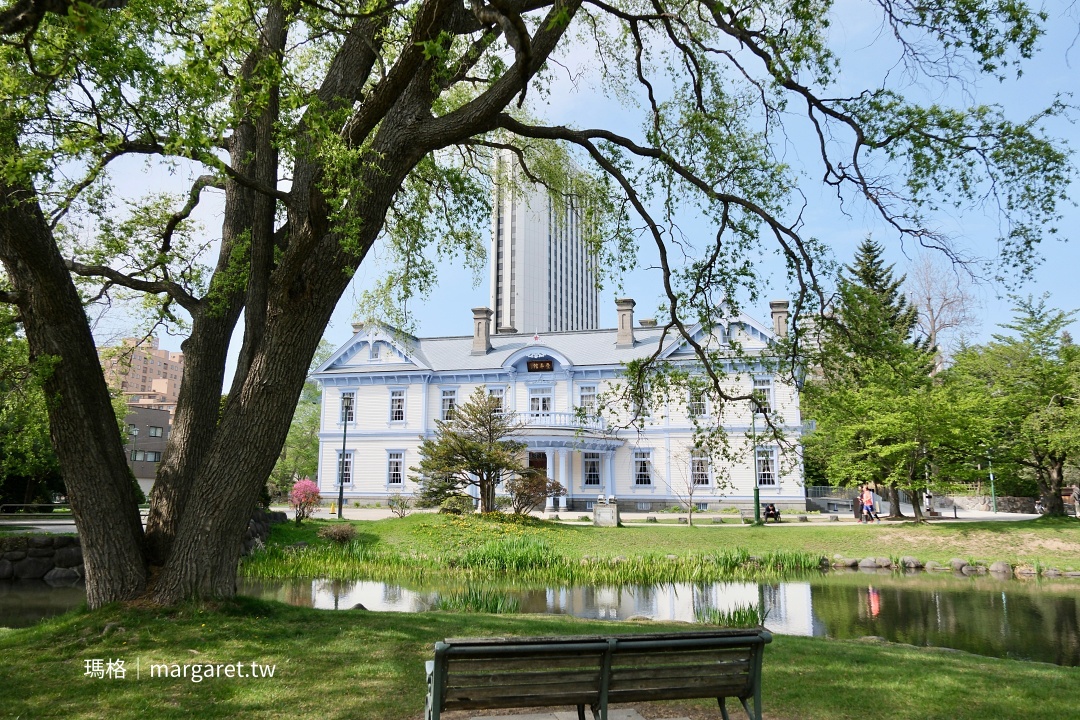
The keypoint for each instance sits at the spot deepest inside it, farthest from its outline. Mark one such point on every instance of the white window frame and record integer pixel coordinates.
(765, 464)
(373, 351)
(446, 411)
(346, 477)
(402, 395)
(637, 471)
(341, 407)
(498, 391)
(696, 457)
(701, 404)
(150, 431)
(392, 457)
(588, 391)
(585, 460)
(763, 390)
(541, 393)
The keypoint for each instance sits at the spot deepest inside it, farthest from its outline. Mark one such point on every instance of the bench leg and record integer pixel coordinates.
(749, 714)
(722, 702)
(580, 712)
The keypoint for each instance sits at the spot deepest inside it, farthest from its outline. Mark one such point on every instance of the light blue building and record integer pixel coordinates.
(397, 386)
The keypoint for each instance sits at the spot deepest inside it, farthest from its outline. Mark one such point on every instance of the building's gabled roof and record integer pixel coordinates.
(581, 348)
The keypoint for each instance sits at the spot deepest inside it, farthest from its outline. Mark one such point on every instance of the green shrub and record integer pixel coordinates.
(342, 533)
(458, 505)
(399, 504)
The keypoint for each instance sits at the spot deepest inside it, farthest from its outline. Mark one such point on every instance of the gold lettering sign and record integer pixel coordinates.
(540, 366)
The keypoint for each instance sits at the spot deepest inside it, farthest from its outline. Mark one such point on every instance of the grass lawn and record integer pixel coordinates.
(354, 664)
(1051, 542)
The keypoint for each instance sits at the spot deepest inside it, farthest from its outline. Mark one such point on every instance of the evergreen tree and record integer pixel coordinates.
(869, 359)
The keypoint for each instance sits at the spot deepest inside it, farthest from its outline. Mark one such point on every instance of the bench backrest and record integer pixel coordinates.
(595, 671)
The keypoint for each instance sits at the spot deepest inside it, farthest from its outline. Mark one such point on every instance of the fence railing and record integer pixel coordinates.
(559, 420)
(820, 491)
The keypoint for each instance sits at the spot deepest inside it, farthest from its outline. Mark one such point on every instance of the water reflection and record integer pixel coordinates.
(978, 616)
(1027, 621)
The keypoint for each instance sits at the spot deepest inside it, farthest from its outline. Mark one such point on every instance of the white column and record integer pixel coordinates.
(424, 405)
(564, 472)
(550, 505)
(610, 462)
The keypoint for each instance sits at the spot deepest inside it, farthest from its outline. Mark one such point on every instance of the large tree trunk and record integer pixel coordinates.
(893, 493)
(1050, 486)
(83, 425)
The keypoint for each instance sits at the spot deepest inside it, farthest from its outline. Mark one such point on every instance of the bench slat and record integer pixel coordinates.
(647, 694)
(525, 662)
(520, 700)
(534, 678)
(703, 657)
(738, 670)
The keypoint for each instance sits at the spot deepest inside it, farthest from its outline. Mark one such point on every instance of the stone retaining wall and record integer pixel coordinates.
(985, 503)
(54, 558)
(58, 560)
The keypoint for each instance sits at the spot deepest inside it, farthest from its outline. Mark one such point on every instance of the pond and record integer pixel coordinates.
(1024, 620)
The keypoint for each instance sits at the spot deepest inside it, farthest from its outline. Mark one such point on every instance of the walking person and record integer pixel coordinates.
(868, 506)
(1076, 499)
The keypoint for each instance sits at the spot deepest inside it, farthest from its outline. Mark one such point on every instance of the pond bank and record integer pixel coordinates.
(370, 666)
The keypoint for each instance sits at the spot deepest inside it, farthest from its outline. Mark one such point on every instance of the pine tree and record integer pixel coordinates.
(869, 349)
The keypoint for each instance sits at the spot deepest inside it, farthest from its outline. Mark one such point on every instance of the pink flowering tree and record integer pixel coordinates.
(304, 497)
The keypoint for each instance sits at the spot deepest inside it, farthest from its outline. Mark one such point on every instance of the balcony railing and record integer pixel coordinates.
(569, 420)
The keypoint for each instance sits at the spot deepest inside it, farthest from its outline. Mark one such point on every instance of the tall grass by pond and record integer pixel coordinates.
(525, 559)
(478, 599)
(740, 616)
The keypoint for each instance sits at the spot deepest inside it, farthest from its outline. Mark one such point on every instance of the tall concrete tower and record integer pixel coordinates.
(542, 278)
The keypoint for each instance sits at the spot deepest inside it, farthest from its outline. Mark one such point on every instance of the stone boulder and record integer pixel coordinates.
(1001, 569)
(868, 563)
(958, 564)
(7, 570)
(911, 563)
(62, 576)
(32, 568)
(40, 541)
(933, 565)
(68, 557)
(884, 562)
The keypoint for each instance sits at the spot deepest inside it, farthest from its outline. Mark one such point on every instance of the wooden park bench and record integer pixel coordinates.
(594, 671)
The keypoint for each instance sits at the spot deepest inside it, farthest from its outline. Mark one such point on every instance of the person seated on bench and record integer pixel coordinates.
(772, 512)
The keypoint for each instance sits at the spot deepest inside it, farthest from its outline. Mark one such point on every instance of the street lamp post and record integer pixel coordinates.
(993, 494)
(134, 433)
(753, 450)
(346, 408)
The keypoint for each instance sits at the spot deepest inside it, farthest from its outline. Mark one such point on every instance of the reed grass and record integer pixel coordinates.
(740, 616)
(522, 559)
(478, 599)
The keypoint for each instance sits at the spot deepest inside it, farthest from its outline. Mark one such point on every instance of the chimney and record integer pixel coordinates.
(358, 327)
(625, 336)
(647, 322)
(481, 339)
(779, 310)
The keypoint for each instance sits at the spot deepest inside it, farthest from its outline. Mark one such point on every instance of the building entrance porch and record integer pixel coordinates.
(586, 470)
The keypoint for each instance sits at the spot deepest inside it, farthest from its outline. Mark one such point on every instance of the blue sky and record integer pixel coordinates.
(867, 54)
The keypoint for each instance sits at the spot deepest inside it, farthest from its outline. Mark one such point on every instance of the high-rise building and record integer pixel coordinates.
(148, 376)
(542, 276)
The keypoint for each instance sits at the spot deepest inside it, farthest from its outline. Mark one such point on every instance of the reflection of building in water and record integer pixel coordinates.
(787, 605)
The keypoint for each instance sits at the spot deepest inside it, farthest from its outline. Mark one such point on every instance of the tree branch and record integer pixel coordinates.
(26, 15)
(182, 297)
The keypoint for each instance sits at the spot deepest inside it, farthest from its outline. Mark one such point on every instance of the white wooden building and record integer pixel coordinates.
(400, 385)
